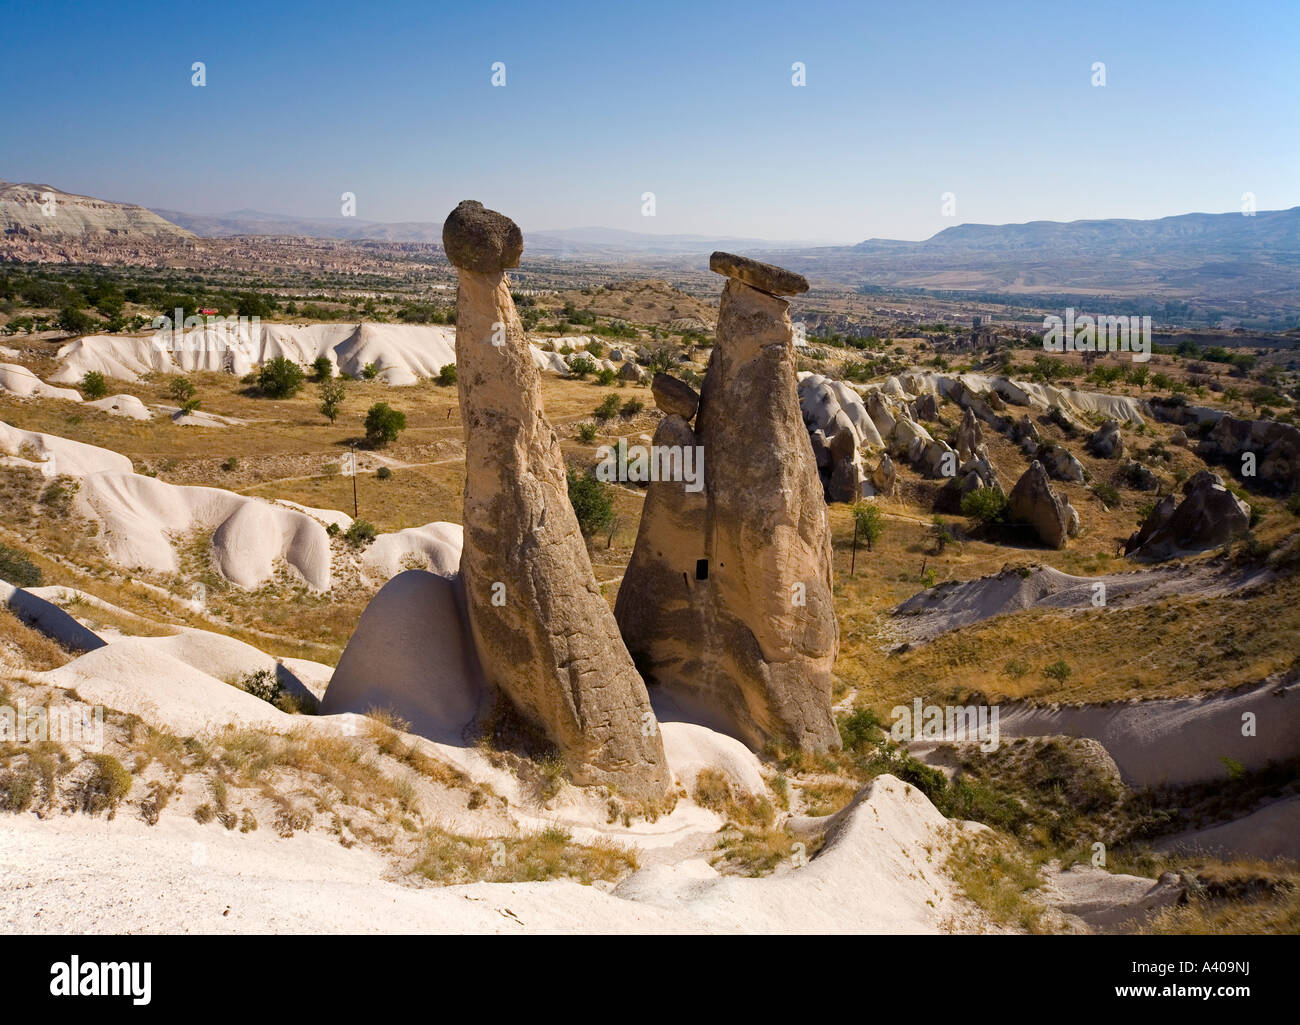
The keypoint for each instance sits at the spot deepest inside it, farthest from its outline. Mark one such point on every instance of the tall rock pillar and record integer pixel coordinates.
(544, 634)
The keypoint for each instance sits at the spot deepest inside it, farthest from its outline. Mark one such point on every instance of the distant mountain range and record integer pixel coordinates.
(1214, 257)
(1236, 264)
(581, 243)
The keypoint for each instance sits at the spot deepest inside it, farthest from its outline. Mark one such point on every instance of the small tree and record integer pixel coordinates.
(370, 371)
(447, 375)
(332, 392)
(76, 322)
(280, 378)
(581, 366)
(663, 358)
(181, 389)
(93, 384)
(869, 522)
(384, 424)
(322, 368)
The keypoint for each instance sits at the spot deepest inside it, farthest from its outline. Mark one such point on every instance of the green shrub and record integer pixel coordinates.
(370, 371)
(263, 684)
(984, 504)
(606, 376)
(581, 366)
(333, 529)
(105, 787)
(592, 501)
(859, 730)
(280, 378)
(231, 464)
(587, 432)
(1058, 670)
(384, 424)
(1108, 494)
(322, 368)
(447, 375)
(383, 473)
(361, 533)
(94, 385)
(632, 407)
(607, 409)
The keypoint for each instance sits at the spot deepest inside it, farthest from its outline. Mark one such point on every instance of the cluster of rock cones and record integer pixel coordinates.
(726, 604)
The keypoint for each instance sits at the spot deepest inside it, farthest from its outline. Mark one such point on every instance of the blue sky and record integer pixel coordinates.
(692, 101)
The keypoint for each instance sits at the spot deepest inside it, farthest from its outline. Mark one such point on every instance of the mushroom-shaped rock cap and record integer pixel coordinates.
(757, 274)
(475, 238)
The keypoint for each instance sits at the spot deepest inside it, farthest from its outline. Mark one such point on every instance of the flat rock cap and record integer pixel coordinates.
(757, 274)
(475, 238)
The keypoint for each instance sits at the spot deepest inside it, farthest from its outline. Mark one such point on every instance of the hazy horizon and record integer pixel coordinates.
(695, 104)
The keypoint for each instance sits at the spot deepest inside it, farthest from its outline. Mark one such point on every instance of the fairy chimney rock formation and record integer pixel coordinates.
(726, 603)
(544, 634)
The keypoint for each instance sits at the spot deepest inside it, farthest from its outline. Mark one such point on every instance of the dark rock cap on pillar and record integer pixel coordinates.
(765, 276)
(478, 239)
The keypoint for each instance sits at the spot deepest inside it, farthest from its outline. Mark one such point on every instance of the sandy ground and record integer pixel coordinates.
(878, 873)
(1175, 741)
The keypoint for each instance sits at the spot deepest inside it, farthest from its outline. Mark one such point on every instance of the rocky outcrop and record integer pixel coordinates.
(1208, 516)
(844, 482)
(1139, 477)
(970, 439)
(1025, 433)
(833, 410)
(977, 472)
(675, 397)
(1033, 502)
(1105, 442)
(1060, 463)
(412, 653)
(726, 602)
(884, 478)
(543, 632)
(926, 408)
(1274, 448)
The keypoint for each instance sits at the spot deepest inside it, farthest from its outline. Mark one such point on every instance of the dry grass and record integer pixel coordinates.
(1270, 915)
(826, 797)
(386, 729)
(999, 878)
(29, 648)
(758, 851)
(549, 854)
(713, 790)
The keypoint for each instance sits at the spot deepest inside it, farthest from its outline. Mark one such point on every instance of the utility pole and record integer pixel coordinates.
(354, 480)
